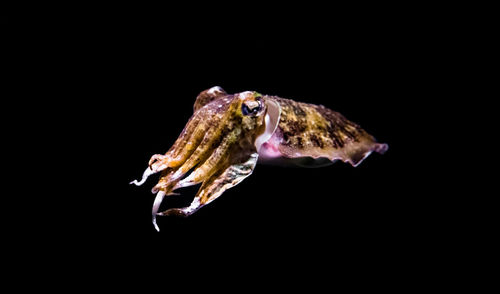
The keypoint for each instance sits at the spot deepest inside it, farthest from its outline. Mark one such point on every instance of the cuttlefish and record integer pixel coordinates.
(228, 134)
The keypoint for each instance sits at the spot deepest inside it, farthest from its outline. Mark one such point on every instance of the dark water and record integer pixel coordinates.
(116, 90)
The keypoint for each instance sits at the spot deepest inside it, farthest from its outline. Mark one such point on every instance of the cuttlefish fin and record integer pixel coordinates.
(214, 186)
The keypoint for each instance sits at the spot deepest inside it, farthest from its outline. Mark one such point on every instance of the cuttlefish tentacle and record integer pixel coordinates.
(145, 176)
(195, 134)
(212, 137)
(188, 141)
(156, 206)
(194, 131)
(183, 147)
(210, 165)
(216, 185)
(173, 158)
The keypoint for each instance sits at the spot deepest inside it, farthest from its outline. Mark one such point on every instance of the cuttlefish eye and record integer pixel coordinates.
(251, 107)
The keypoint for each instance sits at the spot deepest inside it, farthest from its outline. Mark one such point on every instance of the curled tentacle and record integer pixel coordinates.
(145, 176)
(156, 207)
(209, 141)
(183, 147)
(213, 137)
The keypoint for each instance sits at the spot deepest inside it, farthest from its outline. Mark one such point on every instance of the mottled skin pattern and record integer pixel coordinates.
(316, 131)
(306, 125)
(228, 134)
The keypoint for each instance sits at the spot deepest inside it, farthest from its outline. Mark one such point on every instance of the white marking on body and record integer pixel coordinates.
(195, 205)
(271, 121)
(215, 89)
(245, 94)
(361, 160)
(266, 135)
(268, 150)
(186, 182)
(177, 174)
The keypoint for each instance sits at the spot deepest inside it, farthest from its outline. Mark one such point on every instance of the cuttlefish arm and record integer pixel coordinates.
(216, 184)
(211, 188)
(189, 139)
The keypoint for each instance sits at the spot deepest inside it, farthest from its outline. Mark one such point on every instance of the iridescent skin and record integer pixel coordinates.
(228, 134)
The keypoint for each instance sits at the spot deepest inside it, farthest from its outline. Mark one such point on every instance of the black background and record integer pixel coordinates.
(118, 86)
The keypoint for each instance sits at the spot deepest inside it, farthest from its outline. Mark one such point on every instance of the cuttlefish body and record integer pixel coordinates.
(229, 133)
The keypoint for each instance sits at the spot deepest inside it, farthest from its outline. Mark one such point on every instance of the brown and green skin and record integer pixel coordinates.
(308, 130)
(217, 142)
(221, 143)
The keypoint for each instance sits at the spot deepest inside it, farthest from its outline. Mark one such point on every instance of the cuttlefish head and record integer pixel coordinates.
(218, 147)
